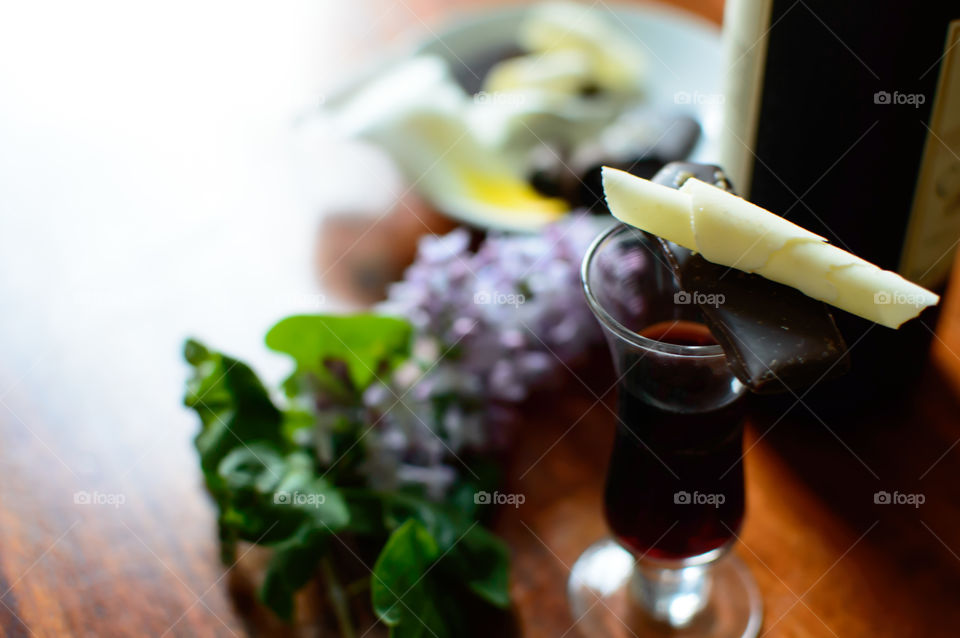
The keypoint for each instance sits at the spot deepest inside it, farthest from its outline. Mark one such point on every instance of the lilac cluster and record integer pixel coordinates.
(490, 326)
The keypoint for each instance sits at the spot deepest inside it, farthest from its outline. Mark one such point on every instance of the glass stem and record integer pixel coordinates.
(672, 595)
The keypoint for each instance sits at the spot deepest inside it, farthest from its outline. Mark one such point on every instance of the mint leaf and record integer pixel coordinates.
(447, 521)
(268, 497)
(482, 561)
(258, 466)
(293, 564)
(369, 344)
(438, 572)
(401, 507)
(234, 408)
(366, 512)
(298, 424)
(428, 623)
(311, 496)
(434, 568)
(398, 588)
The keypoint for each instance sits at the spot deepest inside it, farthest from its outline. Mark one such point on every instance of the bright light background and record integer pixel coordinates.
(152, 186)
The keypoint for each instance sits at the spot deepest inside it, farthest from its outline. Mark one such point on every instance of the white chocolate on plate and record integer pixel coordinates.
(731, 231)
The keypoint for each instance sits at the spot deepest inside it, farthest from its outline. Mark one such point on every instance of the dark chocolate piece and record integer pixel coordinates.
(776, 338)
(640, 141)
(675, 174)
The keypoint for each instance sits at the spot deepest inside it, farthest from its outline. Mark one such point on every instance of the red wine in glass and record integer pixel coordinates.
(674, 488)
(674, 494)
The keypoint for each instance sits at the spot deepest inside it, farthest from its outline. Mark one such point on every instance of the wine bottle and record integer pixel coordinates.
(844, 117)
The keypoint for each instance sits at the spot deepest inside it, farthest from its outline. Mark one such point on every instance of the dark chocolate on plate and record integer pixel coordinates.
(776, 338)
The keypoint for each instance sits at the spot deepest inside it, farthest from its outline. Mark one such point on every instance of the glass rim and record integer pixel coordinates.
(617, 328)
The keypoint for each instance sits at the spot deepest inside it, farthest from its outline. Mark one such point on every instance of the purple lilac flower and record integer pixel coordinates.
(490, 326)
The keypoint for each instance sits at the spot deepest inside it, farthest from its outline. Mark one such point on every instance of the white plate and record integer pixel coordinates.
(683, 73)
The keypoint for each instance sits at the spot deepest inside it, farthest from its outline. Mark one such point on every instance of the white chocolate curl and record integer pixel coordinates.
(730, 231)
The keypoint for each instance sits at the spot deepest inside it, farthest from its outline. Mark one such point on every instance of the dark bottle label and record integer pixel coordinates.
(848, 130)
(844, 117)
(934, 227)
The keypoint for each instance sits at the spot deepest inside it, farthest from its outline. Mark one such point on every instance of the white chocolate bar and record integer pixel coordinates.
(730, 231)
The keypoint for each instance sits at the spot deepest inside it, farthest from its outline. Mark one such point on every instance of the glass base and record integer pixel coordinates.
(603, 600)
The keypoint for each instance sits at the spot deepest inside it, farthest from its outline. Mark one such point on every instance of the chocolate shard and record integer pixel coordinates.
(776, 338)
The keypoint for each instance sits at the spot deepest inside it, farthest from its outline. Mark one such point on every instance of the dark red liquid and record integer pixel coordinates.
(681, 333)
(675, 482)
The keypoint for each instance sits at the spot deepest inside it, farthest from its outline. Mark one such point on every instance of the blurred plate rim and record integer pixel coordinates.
(486, 25)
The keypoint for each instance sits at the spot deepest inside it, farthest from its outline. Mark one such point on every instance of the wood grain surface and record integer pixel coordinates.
(105, 529)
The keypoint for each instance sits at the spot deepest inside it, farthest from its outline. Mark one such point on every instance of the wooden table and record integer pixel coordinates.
(829, 560)
(103, 272)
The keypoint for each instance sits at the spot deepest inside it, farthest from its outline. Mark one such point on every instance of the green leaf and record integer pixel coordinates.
(293, 564)
(461, 496)
(438, 572)
(401, 507)
(428, 623)
(369, 345)
(313, 497)
(398, 587)
(366, 512)
(482, 561)
(445, 521)
(257, 466)
(473, 562)
(267, 497)
(233, 405)
(298, 424)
